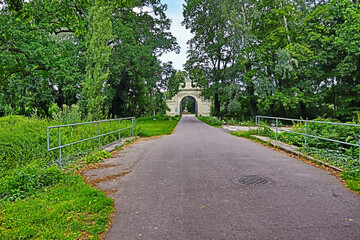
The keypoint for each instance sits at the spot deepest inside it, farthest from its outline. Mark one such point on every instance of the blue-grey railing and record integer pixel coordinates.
(99, 135)
(307, 122)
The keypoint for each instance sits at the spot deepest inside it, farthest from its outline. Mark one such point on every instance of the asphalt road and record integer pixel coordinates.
(181, 187)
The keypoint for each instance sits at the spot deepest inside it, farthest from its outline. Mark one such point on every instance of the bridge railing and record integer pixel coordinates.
(306, 123)
(98, 136)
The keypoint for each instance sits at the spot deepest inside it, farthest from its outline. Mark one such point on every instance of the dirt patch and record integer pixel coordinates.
(106, 166)
(96, 181)
(108, 192)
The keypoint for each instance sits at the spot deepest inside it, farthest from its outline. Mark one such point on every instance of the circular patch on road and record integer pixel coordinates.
(252, 181)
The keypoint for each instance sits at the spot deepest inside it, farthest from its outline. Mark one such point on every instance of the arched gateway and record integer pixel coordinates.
(202, 106)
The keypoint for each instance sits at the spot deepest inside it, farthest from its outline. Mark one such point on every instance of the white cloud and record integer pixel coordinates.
(141, 9)
(182, 35)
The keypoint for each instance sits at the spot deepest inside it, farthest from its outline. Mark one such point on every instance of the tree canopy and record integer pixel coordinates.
(99, 54)
(283, 58)
(290, 58)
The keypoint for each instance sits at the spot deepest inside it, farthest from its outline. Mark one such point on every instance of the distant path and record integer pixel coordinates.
(181, 187)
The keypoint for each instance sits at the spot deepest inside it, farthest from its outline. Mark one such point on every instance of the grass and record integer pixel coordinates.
(155, 126)
(71, 209)
(40, 201)
(23, 140)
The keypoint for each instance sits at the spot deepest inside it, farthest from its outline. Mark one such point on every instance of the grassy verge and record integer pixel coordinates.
(71, 209)
(212, 121)
(155, 126)
(350, 166)
(40, 201)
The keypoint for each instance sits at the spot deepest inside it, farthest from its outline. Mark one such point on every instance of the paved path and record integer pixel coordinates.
(181, 187)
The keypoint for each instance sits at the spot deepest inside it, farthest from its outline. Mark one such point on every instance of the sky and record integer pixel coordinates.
(174, 12)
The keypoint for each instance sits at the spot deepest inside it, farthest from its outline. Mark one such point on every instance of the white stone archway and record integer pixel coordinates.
(202, 105)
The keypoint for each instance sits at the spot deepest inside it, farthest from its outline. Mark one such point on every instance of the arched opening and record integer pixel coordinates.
(188, 105)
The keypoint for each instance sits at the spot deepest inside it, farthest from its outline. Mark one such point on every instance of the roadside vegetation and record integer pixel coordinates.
(40, 201)
(155, 125)
(212, 121)
(342, 156)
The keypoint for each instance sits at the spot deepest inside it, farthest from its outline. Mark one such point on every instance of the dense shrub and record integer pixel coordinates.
(336, 132)
(23, 140)
(212, 121)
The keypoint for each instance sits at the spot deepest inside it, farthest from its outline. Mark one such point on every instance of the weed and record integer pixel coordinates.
(96, 157)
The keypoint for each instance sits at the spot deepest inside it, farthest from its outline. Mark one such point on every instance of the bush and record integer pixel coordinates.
(337, 132)
(212, 121)
(23, 140)
(66, 115)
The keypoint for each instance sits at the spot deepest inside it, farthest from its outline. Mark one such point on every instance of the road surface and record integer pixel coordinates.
(182, 187)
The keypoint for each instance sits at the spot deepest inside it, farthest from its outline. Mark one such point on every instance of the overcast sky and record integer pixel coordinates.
(182, 35)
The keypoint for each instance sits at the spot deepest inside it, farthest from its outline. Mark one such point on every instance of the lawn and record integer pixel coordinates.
(147, 127)
(40, 201)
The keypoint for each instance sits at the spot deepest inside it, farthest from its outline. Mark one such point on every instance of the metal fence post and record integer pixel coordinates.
(99, 135)
(60, 164)
(305, 135)
(258, 125)
(277, 124)
(119, 129)
(47, 138)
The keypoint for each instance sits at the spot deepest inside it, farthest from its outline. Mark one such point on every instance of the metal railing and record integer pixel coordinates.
(99, 135)
(307, 122)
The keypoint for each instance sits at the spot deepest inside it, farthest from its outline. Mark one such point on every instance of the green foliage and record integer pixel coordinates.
(212, 121)
(82, 53)
(236, 121)
(42, 201)
(96, 157)
(278, 58)
(66, 115)
(23, 140)
(336, 132)
(335, 158)
(70, 210)
(188, 104)
(155, 126)
(28, 180)
(98, 57)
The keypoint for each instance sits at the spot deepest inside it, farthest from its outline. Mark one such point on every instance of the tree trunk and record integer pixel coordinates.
(216, 104)
(303, 110)
(283, 111)
(250, 91)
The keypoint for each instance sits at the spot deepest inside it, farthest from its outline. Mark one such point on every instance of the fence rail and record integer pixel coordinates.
(306, 135)
(98, 136)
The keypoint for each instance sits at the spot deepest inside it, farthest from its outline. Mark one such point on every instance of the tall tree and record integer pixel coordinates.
(97, 58)
(141, 35)
(209, 51)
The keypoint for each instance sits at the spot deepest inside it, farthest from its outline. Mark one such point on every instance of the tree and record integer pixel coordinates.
(137, 78)
(97, 59)
(209, 51)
